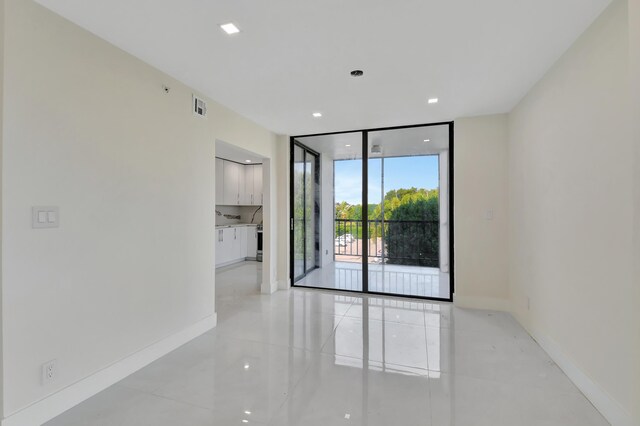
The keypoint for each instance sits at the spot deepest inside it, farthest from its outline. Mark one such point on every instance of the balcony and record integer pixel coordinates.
(391, 242)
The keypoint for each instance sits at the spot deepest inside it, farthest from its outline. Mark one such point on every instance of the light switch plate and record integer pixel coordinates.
(45, 217)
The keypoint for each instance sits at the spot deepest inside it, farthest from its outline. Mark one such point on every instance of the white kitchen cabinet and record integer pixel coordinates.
(252, 242)
(231, 183)
(235, 245)
(241, 184)
(232, 244)
(247, 199)
(222, 252)
(253, 185)
(240, 243)
(257, 185)
(238, 184)
(219, 181)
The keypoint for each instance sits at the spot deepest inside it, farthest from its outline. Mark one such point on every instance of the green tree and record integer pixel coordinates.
(411, 224)
(413, 236)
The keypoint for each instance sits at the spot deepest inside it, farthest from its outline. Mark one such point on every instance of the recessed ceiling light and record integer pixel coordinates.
(230, 28)
(248, 161)
(317, 114)
(347, 145)
(427, 140)
(248, 413)
(433, 100)
(246, 366)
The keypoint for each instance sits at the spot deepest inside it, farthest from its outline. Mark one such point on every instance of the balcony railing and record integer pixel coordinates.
(402, 242)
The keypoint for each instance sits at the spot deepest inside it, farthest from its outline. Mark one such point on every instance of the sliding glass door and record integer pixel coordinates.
(407, 183)
(305, 211)
(381, 221)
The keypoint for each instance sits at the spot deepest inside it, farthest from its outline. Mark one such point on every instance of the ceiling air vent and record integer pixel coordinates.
(199, 106)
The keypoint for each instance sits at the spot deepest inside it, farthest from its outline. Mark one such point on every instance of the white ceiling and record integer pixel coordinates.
(231, 152)
(394, 143)
(293, 57)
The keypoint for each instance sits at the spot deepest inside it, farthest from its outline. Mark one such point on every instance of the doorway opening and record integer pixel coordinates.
(241, 182)
(371, 211)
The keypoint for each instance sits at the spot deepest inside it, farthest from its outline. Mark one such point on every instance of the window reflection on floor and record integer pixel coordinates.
(390, 335)
(393, 279)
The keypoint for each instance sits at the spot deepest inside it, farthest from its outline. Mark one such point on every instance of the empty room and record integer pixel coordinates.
(339, 213)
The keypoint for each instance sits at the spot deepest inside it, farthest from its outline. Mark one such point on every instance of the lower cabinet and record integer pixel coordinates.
(252, 242)
(235, 243)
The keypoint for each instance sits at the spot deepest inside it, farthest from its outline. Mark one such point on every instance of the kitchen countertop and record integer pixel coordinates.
(235, 225)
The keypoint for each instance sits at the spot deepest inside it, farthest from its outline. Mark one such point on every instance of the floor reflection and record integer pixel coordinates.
(391, 279)
(319, 358)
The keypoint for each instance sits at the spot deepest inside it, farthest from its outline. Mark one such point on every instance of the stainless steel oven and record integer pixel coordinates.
(259, 252)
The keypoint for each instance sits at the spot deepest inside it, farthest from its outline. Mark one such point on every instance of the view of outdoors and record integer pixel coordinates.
(403, 219)
(370, 211)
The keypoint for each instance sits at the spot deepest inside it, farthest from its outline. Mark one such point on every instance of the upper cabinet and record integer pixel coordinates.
(231, 183)
(238, 184)
(253, 185)
(257, 185)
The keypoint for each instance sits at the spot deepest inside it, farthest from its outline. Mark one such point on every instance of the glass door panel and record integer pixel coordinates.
(298, 211)
(387, 234)
(407, 185)
(311, 211)
(334, 224)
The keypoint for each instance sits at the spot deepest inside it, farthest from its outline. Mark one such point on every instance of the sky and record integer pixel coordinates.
(399, 172)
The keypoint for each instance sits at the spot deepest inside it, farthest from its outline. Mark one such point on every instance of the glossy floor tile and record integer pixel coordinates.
(310, 357)
(383, 278)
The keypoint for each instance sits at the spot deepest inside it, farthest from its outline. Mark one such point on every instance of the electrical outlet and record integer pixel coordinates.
(49, 372)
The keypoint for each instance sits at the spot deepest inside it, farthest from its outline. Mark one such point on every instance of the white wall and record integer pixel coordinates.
(88, 128)
(480, 182)
(282, 182)
(571, 215)
(634, 73)
(2, 31)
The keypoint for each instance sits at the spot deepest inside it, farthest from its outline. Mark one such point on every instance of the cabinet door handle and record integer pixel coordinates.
(234, 233)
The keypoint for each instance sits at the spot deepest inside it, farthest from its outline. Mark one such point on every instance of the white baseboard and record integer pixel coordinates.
(59, 402)
(284, 284)
(269, 288)
(486, 303)
(608, 407)
(232, 262)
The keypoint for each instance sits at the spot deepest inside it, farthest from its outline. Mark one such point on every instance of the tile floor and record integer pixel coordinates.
(383, 278)
(315, 358)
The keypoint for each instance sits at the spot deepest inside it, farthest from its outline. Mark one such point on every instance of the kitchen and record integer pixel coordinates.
(239, 208)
